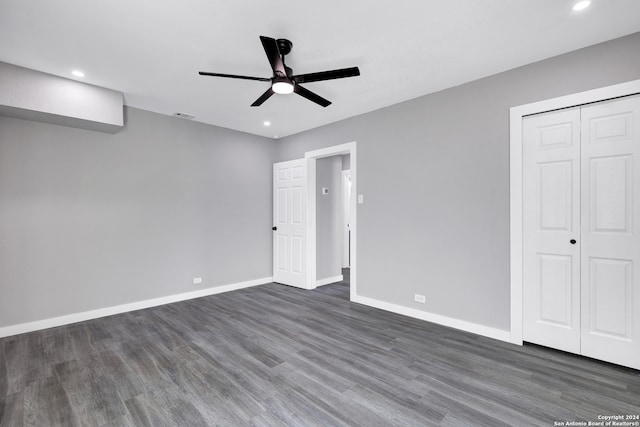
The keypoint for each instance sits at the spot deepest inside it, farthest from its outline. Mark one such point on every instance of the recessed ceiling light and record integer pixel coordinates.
(581, 5)
(267, 123)
(77, 73)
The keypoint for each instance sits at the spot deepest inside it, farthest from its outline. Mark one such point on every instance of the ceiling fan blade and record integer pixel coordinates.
(327, 75)
(233, 76)
(311, 96)
(273, 53)
(258, 102)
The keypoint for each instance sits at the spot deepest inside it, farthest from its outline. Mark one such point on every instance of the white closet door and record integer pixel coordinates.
(611, 231)
(290, 223)
(551, 220)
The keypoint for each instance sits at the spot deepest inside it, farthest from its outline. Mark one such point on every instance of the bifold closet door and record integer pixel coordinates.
(610, 218)
(551, 222)
(581, 239)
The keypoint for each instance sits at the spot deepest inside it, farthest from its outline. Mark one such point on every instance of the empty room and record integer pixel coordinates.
(420, 213)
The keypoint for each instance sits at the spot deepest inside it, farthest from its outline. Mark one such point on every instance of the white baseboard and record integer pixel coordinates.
(463, 325)
(329, 280)
(123, 308)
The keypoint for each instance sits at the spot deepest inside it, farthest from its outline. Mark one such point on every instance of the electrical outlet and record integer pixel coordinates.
(420, 298)
(197, 280)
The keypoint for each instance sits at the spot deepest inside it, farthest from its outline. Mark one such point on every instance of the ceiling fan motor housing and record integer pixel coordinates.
(284, 46)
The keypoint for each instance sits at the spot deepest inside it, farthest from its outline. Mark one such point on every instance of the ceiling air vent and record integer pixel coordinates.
(184, 116)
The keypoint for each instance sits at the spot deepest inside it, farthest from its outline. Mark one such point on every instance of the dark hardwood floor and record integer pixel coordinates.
(275, 355)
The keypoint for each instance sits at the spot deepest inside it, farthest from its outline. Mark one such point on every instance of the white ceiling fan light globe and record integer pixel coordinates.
(282, 88)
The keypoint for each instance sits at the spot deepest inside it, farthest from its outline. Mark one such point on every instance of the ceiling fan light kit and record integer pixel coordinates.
(283, 80)
(282, 87)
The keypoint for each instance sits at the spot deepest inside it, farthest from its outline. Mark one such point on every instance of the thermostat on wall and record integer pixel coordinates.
(325, 191)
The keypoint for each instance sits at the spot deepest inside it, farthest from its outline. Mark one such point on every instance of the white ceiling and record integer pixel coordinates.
(152, 50)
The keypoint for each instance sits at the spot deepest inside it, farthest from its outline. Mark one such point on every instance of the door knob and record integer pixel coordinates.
(274, 228)
(572, 241)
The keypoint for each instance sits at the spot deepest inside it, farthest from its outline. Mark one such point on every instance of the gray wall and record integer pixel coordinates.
(90, 220)
(435, 175)
(329, 217)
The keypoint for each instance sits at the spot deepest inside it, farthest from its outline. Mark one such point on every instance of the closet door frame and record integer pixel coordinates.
(515, 179)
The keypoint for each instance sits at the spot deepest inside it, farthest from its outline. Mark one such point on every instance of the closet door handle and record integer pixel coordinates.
(572, 241)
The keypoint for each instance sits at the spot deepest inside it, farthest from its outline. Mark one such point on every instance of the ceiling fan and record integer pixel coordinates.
(283, 80)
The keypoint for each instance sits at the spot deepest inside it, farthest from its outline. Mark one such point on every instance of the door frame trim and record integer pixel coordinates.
(345, 233)
(311, 157)
(515, 179)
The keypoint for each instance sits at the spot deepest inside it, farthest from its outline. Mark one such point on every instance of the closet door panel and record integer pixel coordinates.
(551, 219)
(610, 238)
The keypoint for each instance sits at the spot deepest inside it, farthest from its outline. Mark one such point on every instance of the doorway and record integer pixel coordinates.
(311, 160)
(329, 220)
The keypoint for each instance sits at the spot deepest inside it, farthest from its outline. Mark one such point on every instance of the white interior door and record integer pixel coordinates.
(551, 221)
(346, 217)
(290, 223)
(610, 231)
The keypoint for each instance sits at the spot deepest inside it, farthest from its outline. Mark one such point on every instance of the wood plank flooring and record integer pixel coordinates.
(278, 356)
